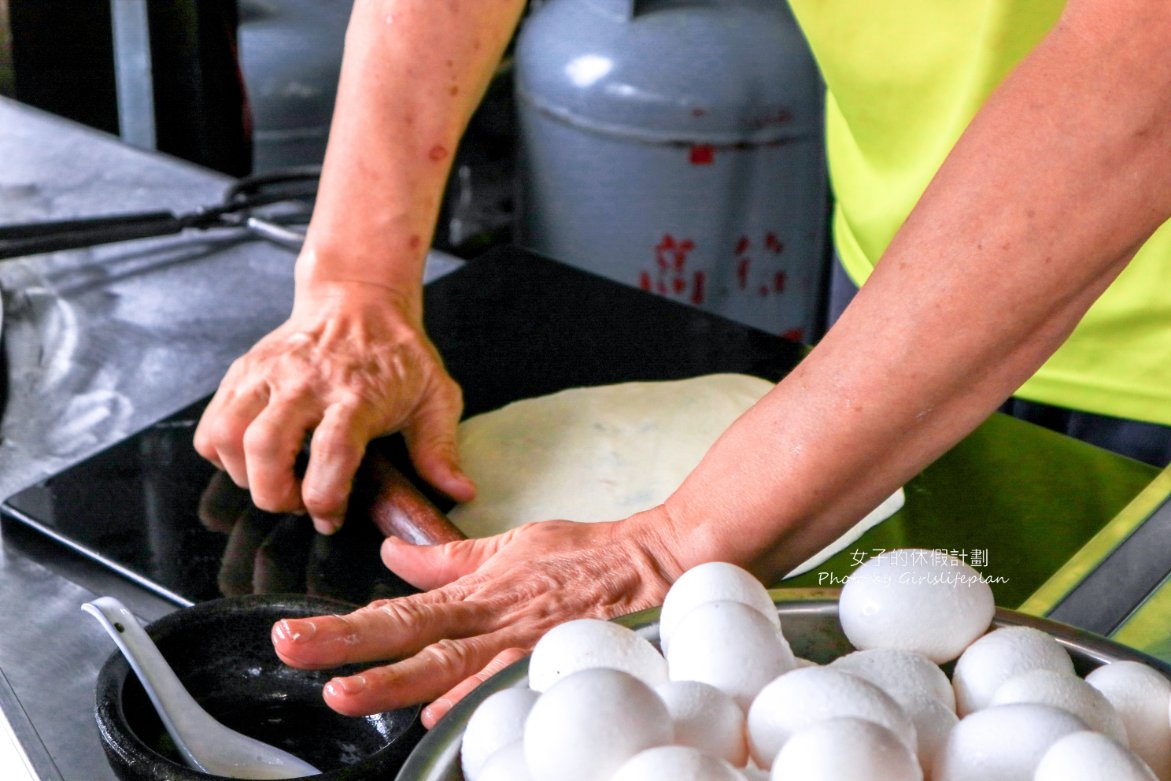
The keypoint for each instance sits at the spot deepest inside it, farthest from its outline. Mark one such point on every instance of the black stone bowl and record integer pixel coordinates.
(222, 653)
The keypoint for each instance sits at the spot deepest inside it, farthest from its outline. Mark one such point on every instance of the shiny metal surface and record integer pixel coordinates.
(1148, 625)
(50, 655)
(1132, 571)
(1025, 499)
(22, 754)
(132, 72)
(809, 619)
(101, 343)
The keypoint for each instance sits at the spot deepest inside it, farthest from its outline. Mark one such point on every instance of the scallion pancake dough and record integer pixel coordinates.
(603, 453)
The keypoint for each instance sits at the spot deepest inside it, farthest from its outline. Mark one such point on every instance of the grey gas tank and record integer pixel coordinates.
(676, 146)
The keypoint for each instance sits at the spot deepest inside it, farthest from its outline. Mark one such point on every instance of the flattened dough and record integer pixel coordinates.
(603, 453)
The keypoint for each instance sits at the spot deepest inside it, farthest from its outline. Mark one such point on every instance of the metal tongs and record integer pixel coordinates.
(236, 210)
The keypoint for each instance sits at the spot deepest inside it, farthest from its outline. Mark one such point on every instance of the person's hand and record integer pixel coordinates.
(493, 598)
(351, 363)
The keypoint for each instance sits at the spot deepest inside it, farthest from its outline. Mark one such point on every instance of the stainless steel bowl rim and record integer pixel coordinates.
(439, 750)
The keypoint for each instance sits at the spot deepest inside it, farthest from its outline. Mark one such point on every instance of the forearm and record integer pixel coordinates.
(1058, 180)
(412, 74)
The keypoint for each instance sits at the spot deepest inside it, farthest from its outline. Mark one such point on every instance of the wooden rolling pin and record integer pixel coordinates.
(398, 508)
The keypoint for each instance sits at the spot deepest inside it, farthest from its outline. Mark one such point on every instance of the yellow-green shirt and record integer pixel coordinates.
(904, 78)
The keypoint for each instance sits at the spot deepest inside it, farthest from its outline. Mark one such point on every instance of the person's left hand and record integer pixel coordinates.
(492, 599)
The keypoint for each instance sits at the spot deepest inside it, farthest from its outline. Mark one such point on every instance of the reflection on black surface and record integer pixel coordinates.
(510, 325)
(152, 505)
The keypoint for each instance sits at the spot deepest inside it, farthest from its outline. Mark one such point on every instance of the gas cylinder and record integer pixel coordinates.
(677, 146)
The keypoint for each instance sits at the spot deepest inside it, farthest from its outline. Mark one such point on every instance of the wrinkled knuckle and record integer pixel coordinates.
(350, 400)
(322, 501)
(353, 628)
(454, 656)
(221, 436)
(238, 367)
(297, 388)
(264, 440)
(400, 611)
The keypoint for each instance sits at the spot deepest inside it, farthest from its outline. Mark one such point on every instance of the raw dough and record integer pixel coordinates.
(604, 453)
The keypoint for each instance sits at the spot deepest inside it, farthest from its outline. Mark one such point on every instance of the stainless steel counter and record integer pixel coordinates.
(101, 343)
(86, 337)
(50, 653)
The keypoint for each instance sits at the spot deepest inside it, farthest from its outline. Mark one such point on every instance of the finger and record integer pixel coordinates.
(439, 708)
(235, 575)
(436, 669)
(221, 503)
(219, 436)
(386, 629)
(431, 441)
(431, 566)
(336, 450)
(205, 436)
(271, 444)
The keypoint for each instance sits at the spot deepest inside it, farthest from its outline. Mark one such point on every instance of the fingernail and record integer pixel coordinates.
(295, 630)
(468, 482)
(325, 526)
(347, 686)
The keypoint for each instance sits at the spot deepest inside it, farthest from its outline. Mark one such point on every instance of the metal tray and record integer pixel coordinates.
(809, 619)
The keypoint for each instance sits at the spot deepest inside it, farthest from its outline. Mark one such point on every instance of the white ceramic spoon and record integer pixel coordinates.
(205, 744)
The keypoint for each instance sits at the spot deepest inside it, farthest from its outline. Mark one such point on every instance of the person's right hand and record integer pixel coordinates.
(350, 364)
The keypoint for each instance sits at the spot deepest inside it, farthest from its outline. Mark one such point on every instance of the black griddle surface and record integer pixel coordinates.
(510, 325)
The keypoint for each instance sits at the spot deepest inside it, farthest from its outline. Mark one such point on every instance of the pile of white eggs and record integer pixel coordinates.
(726, 699)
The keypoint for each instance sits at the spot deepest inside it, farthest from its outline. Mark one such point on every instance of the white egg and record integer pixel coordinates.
(846, 749)
(587, 724)
(730, 646)
(998, 656)
(706, 719)
(715, 580)
(1003, 743)
(1065, 691)
(811, 694)
(1090, 756)
(916, 600)
(675, 763)
(497, 721)
(753, 773)
(933, 722)
(506, 764)
(1141, 696)
(904, 675)
(917, 684)
(586, 643)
